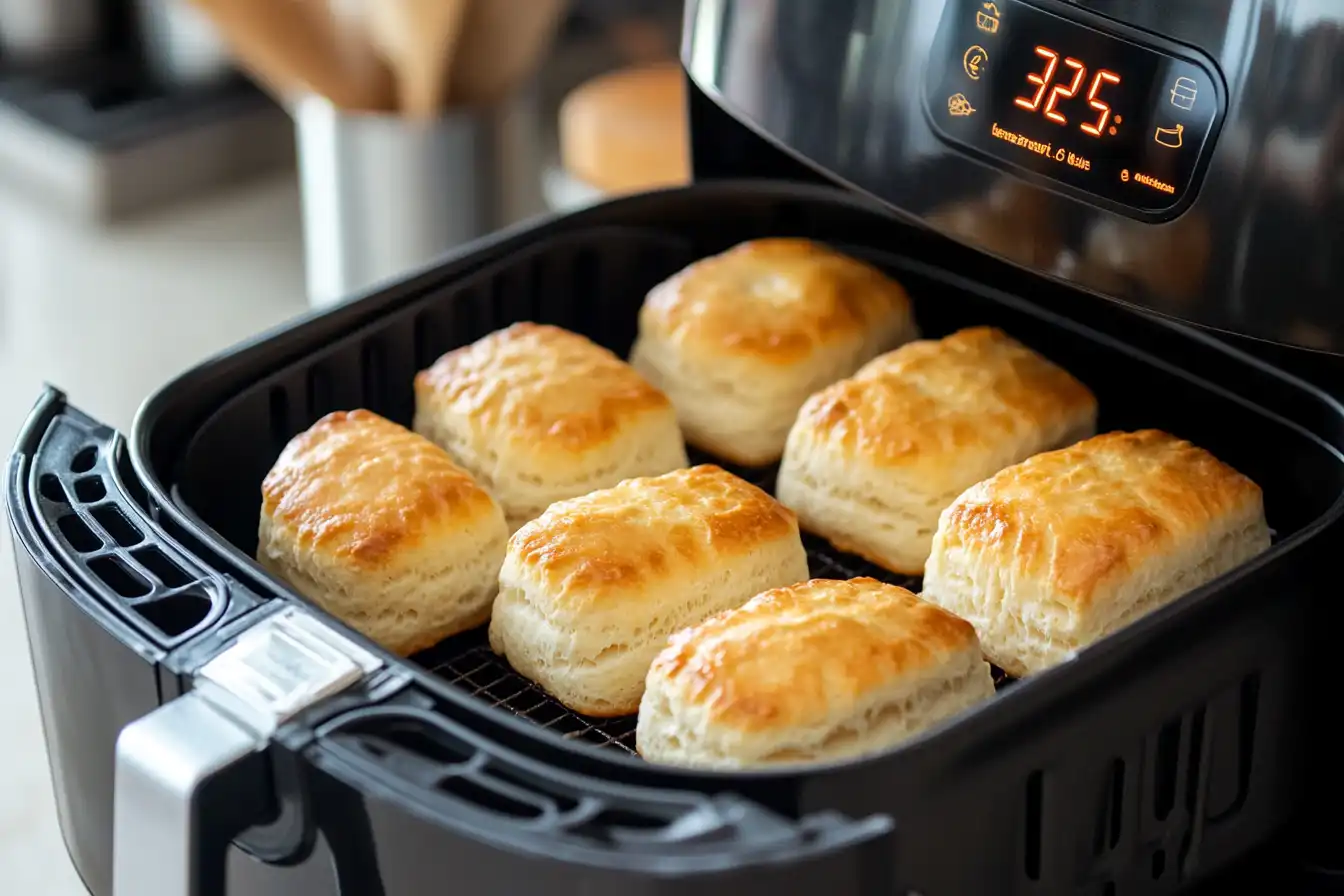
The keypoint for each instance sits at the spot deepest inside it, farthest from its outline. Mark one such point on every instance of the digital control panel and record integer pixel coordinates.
(1119, 116)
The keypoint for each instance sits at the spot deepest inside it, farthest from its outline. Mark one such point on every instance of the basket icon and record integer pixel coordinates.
(1183, 93)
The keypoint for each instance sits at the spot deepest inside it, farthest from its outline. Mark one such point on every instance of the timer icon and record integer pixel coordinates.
(973, 61)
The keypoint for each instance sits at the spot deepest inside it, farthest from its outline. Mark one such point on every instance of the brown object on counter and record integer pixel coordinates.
(627, 131)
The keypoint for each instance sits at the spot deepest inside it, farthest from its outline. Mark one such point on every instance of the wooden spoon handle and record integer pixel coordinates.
(419, 39)
(295, 45)
(502, 43)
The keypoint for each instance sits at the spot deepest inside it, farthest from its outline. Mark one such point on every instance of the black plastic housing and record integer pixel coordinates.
(1158, 757)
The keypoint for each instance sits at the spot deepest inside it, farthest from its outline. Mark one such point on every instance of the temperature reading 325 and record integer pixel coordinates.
(1106, 113)
(1075, 73)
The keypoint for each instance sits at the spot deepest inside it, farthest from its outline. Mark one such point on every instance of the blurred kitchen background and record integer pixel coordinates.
(179, 175)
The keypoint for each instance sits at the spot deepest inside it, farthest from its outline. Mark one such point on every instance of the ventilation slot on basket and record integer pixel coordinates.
(1167, 768)
(416, 750)
(536, 276)
(373, 384)
(1032, 826)
(1196, 754)
(84, 460)
(1112, 818)
(320, 399)
(278, 415)
(485, 797)
(1250, 709)
(49, 486)
(423, 742)
(176, 614)
(471, 316)
(123, 560)
(166, 571)
(115, 575)
(506, 296)
(558, 801)
(1232, 717)
(584, 276)
(1159, 863)
(77, 534)
(115, 524)
(90, 489)
(427, 340)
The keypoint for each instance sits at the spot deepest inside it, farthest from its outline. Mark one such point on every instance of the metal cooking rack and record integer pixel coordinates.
(467, 662)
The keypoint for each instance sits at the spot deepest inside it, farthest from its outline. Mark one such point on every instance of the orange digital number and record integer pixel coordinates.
(1062, 92)
(1102, 77)
(1041, 81)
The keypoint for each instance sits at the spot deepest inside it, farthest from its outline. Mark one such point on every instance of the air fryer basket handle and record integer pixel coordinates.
(580, 827)
(189, 779)
(195, 773)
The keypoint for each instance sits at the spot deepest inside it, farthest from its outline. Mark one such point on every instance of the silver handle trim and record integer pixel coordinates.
(162, 763)
(192, 775)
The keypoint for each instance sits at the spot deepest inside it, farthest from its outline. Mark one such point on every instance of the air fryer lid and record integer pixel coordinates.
(1181, 157)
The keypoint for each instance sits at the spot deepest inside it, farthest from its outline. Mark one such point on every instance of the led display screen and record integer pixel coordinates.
(1063, 94)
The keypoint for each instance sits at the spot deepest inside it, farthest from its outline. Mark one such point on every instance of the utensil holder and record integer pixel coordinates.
(383, 195)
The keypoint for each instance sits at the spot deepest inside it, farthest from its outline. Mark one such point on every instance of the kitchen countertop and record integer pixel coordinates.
(108, 316)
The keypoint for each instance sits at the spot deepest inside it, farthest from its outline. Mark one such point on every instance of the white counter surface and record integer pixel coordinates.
(109, 316)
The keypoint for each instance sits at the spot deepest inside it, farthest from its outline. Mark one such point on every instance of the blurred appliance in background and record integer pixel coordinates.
(181, 48)
(46, 29)
(111, 108)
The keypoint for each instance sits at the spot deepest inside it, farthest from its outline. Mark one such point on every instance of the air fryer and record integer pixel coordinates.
(210, 732)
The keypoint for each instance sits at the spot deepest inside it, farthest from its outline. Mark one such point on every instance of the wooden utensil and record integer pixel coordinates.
(502, 45)
(419, 39)
(298, 46)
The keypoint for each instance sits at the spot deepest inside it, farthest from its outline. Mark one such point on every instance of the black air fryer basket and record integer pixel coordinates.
(1155, 758)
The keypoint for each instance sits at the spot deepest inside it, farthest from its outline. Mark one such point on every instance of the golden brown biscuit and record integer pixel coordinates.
(873, 460)
(821, 670)
(1054, 554)
(380, 528)
(539, 414)
(738, 341)
(591, 590)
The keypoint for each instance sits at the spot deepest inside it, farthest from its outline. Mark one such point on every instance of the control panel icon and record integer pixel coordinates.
(1183, 93)
(1170, 137)
(987, 19)
(973, 61)
(958, 105)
